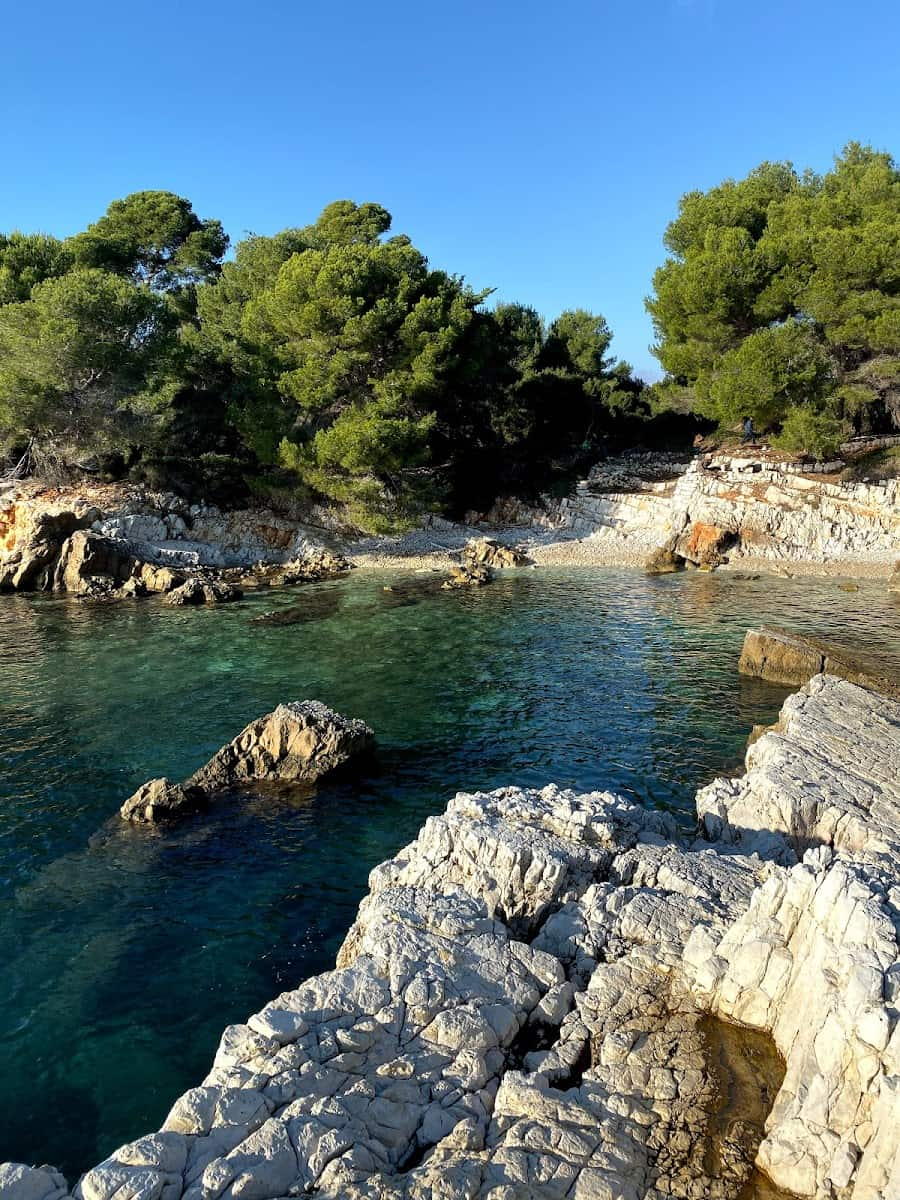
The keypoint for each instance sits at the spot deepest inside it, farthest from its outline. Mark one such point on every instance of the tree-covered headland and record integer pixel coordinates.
(781, 301)
(329, 361)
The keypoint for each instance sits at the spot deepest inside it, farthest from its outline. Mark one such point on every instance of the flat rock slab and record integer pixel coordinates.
(785, 656)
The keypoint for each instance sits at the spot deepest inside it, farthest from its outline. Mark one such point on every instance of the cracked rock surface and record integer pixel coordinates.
(531, 1002)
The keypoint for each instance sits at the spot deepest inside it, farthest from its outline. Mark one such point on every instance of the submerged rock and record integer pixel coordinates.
(203, 591)
(784, 656)
(299, 742)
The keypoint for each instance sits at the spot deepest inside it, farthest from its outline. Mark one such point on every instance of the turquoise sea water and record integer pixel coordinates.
(124, 952)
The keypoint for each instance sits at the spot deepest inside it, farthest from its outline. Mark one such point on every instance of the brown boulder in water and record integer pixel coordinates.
(299, 742)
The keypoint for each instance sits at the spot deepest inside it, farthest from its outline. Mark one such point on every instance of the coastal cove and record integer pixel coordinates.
(125, 952)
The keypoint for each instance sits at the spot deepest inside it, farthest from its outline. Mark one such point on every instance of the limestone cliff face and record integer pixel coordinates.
(522, 1006)
(742, 507)
(782, 515)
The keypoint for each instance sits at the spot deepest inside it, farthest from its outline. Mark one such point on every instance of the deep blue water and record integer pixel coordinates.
(124, 952)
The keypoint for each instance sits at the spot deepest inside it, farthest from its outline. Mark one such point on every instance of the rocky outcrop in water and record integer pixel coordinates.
(202, 591)
(161, 800)
(466, 575)
(785, 656)
(522, 1007)
(299, 742)
(479, 558)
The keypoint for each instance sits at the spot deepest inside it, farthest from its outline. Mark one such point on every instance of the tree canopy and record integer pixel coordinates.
(154, 238)
(86, 355)
(781, 300)
(330, 359)
(27, 259)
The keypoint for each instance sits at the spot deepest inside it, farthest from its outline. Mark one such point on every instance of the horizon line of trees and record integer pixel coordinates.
(328, 361)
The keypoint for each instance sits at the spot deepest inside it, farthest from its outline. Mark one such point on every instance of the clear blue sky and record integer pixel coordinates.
(536, 148)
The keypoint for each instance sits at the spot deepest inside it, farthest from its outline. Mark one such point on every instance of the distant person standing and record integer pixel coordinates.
(749, 431)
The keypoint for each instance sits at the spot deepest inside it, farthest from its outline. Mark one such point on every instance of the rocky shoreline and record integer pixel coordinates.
(534, 998)
(712, 511)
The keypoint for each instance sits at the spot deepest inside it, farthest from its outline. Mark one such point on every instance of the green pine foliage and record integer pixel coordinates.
(330, 360)
(781, 301)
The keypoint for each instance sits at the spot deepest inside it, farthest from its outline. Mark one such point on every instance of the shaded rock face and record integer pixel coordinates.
(522, 1008)
(162, 800)
(31, 540)
(298, 742)
(91, 565)
(664, 561)
(783, 656)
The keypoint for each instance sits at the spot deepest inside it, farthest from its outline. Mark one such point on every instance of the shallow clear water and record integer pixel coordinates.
(123, 952)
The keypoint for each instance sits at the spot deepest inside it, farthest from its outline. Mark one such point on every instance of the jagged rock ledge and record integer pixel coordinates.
(522, 1006)
(119, 542)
